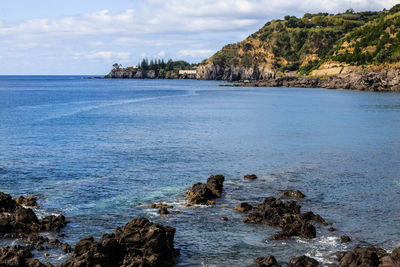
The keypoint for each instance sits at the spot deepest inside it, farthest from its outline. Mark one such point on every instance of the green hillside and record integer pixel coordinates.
(322, 41)
(292, 44)
(377, 41)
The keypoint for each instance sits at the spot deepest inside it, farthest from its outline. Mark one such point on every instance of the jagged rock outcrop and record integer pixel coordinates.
(369, 257)
(138, 243)
(269, 261)
(18, 256)
(14, 218)
(203, 194)
(303, 261)
(275, 212)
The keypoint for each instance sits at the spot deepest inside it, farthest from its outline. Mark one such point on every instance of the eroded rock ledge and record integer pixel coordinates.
(384, 80)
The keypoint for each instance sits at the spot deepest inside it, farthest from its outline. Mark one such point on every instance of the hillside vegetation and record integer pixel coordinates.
(300, 45)
(377, 41)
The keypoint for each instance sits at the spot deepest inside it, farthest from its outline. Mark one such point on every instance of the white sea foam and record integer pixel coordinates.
(104, 104)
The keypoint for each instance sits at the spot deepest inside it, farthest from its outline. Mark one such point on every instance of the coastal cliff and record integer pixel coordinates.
(348, 50)
(212, 71)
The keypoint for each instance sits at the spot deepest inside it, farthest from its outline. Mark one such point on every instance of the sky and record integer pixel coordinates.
(86, 37)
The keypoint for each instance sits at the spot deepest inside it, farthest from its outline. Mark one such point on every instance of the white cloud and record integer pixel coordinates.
(108, 55)
(188, 29)
(195, 52)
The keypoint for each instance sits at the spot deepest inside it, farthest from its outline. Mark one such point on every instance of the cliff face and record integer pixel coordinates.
(212, 71)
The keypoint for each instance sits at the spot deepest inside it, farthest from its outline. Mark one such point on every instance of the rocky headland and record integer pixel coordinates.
(335, 51)
(146, 74)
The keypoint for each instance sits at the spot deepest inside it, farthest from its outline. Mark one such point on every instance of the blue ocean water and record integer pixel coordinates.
(92, 149)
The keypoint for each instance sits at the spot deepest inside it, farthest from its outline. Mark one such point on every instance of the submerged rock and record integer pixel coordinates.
(303, 261)
(162, 208)
(243, 207)
(345, 239)
(250, 177)
(138, 243)
(204, 193)
(294, 194)
(275, 212)
(269, 261)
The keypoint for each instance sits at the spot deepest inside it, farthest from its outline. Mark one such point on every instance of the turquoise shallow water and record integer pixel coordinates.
(92, 149)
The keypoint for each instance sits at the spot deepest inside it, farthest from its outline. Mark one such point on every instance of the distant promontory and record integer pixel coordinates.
(155, 69)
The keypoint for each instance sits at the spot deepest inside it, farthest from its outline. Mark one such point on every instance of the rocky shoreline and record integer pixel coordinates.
(146, 74)
(386, 80)
(143, 243)
(374, 81)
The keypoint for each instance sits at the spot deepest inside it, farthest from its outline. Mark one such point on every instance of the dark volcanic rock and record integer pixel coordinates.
(243, 207)
(7, 204)
(14, 218)
(269, 261)
(275, 212)
(204, 193)
(138, 243)
(295, 194)
(162, 208)
(53, 223)
(271, 211)
(303, 261)
(311, 216)
(345, 239)
(250, 177)
(19, 256)
(294, 225)
(362, 257)
(215, 184)
(370, 257)
(163, 211)
(29, 201)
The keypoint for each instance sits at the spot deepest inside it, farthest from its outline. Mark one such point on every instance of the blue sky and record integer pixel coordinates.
(87, 36)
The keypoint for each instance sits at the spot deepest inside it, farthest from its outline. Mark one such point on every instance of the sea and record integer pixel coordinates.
(96, 149)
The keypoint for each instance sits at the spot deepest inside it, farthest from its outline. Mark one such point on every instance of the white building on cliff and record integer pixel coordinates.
(182, 72)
